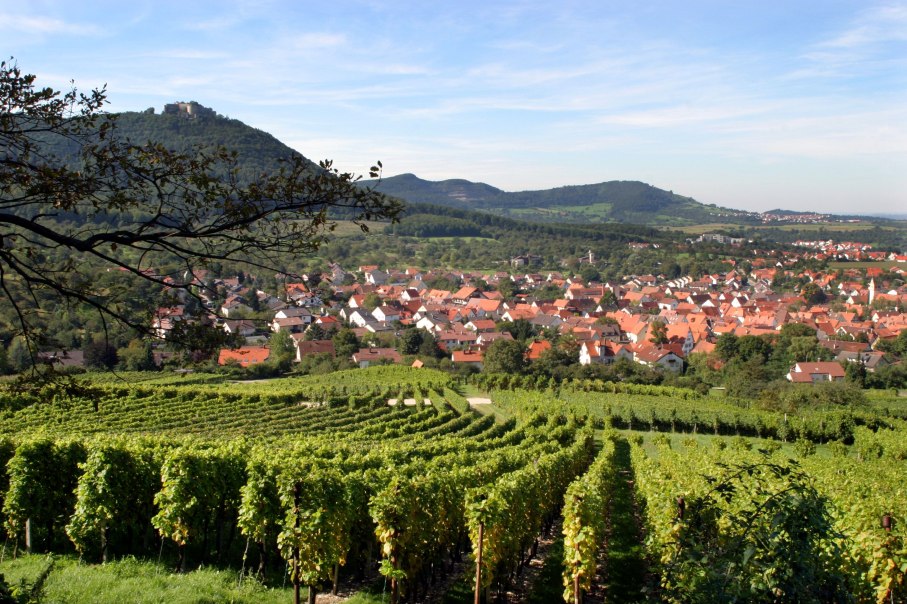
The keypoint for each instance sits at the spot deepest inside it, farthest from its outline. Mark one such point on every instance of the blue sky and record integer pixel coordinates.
(753, 105)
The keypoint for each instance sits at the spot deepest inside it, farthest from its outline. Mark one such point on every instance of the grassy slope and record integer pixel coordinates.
(139, 582)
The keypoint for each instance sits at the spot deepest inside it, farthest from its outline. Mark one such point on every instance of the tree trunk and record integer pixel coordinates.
(205, 539)
(105, 540)
(219, 532)
(262, 559)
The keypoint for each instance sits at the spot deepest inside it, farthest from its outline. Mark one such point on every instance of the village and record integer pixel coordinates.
(856, 314)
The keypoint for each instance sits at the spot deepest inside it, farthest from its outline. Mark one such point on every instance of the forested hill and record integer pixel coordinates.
(615, 201)
(427, 220)
(257, 151)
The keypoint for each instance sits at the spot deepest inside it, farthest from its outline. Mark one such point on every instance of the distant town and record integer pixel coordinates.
(644, 319)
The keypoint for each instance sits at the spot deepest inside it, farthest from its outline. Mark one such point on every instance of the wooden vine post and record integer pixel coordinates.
(296, 547)
(479, 565)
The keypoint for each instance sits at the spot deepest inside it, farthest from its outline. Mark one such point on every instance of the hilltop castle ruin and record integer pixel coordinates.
(188, 110)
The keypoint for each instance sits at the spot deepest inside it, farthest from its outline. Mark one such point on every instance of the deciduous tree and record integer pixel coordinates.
(505, 356)
(113, 203)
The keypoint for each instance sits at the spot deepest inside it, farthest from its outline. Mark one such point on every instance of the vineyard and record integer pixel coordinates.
(387, 476)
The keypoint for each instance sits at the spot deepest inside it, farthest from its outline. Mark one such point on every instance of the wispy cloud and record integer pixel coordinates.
(215, 24)
(876, 26)
(873, 42)
(687, 114)
(317, 41)
(189, 54)
(45, 25)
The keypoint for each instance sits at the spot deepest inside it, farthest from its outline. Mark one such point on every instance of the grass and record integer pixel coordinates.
(139, 582)
(347, 228)
(464, 239)
(548, 586)
(373, 595)
(626, 556)
(471, 391)
(698, 229)
(461, 591)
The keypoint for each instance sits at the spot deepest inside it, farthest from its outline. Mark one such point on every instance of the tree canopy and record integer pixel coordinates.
(141, 208)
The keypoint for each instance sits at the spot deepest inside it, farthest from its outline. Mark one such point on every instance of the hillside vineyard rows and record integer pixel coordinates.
(323, 479)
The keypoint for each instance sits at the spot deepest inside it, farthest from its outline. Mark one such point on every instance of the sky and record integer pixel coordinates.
(798, 105)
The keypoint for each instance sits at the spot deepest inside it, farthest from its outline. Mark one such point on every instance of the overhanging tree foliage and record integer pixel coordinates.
(106, 202)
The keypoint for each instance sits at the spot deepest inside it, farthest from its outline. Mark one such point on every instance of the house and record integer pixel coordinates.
(487, 338)
(464, 294)
(653, 356)
(484, 308)
(682, 335)
(306, 348)
(291, 324)
(306, 299)
(451, 338)
(386, 314)
(242, 327)
(245, 356)
(481, 325)
(368, 356)
(63, 358)
(360, 318)
(602, 352)
(473, 358)
(432, 322)
(376, 277)
(871, 360)
(294, 312)
(813, 372)
(234, 304)
(165, 319)
(536, 349)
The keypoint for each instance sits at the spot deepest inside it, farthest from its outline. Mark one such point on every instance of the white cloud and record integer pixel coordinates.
(875, 26)
(45, 25)
(216, 24)
(873, 43)
(189, 54)
(317, 41)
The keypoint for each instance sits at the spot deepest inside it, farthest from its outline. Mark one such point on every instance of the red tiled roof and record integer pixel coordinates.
(249, 355)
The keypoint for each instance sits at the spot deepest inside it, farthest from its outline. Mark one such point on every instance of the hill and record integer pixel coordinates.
(256, 150)
(616, 201)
